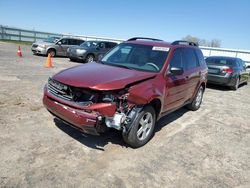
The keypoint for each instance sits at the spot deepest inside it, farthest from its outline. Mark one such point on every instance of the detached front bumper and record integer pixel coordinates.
(85, 118)
(86, 122)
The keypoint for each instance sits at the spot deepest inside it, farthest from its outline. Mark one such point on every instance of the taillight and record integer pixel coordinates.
(227, 70)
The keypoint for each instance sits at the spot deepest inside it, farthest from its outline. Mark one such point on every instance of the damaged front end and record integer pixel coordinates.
(91, 108)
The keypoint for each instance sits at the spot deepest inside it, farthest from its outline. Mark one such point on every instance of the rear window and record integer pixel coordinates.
(220, 61)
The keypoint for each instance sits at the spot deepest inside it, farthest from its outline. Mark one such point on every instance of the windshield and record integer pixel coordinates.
(89, 44)
(51, 39)
(136, 56)
(220, 61)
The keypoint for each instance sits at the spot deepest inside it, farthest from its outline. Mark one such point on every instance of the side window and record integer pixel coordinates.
(238, 63)
(107, 45)
(110, 45)
(80, 42)
(64, 41)
(176, 60)
(189, 59)
(101, 45)
(242, 64)
(72, 42)
(200, 57)
(113, 44)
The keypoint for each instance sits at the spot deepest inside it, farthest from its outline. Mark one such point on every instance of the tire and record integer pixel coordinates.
(247, 81)
(89, 58)
(143, 128)
(236, 85)
(196, 103)
(52, 52)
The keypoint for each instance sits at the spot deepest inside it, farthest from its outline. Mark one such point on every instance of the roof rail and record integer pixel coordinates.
(143, 38)
(183, 42)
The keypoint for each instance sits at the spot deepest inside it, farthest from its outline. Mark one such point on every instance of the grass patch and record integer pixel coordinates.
(17, 42)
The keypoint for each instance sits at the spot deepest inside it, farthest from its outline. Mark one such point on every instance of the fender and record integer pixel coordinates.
(143, 93)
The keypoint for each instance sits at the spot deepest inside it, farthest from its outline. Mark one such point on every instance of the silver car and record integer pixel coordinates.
(54, 46)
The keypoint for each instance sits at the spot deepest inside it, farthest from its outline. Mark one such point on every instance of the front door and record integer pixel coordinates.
(62, 46)
(176, 86)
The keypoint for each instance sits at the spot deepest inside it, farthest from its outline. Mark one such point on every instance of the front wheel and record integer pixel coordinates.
(196, 103)
(142, 129)
(52, 52)
(89, 58)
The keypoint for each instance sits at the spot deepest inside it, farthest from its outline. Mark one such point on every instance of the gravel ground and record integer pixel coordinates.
(206, 148)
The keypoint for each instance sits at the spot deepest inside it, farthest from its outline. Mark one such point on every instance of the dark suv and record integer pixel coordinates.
(133, 86)
(89, 51)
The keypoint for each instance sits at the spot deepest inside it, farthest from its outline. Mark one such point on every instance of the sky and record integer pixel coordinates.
(226, 20)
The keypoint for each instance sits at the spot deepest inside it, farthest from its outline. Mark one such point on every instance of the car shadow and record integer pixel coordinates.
(96, 142)
(42, 55)
(167, 119)
(111, 136)
(222, 88)
(218, 87)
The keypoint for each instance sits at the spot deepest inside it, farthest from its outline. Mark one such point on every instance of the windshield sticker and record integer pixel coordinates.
(157, 48)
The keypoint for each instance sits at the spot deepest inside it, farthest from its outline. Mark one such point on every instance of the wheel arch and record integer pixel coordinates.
(50, 48)
(156, 104)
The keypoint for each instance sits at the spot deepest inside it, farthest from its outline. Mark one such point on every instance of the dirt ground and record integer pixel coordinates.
(206, 148)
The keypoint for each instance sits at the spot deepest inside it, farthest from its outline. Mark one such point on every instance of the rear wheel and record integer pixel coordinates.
(196, 103)
(142, 129)
(52, 52)
(236, 85)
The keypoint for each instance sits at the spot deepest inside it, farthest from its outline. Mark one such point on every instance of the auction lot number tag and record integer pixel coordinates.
(157, 48)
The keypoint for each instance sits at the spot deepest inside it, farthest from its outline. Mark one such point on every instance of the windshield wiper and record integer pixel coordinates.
(122, 66)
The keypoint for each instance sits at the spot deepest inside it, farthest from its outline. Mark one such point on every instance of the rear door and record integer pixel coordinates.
(192, 70)
(176, 85)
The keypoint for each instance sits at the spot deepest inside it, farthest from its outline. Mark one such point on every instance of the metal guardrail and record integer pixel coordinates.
(11, 33)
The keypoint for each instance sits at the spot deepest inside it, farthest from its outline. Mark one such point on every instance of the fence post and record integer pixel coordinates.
(2, 36)
(19, 35)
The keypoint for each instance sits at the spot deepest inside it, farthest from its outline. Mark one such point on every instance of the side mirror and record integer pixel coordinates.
(59, 43)
(176, 70)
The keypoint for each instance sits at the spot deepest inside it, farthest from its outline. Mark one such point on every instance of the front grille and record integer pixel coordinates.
(60, 90)
(69, 93)
(34, 45)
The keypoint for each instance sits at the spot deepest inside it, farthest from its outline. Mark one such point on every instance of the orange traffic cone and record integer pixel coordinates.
(19, 53)
(48, 63)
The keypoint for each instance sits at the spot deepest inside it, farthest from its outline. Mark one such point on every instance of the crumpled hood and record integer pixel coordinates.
(100, 77)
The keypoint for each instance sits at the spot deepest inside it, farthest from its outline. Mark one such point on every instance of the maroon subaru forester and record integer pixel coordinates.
(133, 86)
